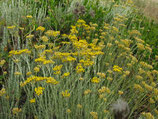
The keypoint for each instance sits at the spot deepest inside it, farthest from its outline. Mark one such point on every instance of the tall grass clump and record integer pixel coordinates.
(89, 71)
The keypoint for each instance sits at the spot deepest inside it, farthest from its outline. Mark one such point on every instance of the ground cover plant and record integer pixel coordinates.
(92, 67)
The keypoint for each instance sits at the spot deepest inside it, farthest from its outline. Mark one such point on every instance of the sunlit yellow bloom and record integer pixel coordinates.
(30, 36)
(44, 38)
(102, 75)
(11, 27)
(4, 73)
(36, 69)
(81, 21)
(148, 115)
(151, 100)
(156, 111)
(68, 111)
(32, 100)
(135, 32)
(52, 33)
(102, 90)
(40, 28)
(16, 110)
(48, 62)
(17, 73)
(79, 68)
(115, 29)
(57, 67)
(79, 106)
(120, 92)
(2, 91)
(39, 90)
(51, 80)
(87, 91)
(105, 111)
(18, 52)
(148, 87)
(138, 87)
(39, 46)
(2, 62)
(94, 115)
(65, 93)
(95, 80)
(28, 73)
(117, 68)
(28, 16)
(57, 72)
(65, 74)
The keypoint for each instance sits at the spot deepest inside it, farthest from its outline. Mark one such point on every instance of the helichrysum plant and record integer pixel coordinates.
(80, 74)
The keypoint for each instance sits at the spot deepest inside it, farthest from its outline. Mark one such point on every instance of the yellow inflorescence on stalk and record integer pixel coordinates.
(39, 90)
(117, 68)
(65, 93)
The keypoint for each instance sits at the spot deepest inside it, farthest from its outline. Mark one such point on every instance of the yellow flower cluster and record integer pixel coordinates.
(65, 75)
(29, 36)
(95, 80)
(39, 46)
(11, 27)
(2, 62)
(87, 62)
(87, 91)
(117, 68)
(50, 80)
(19, 52)
(57, 69)
(52, 33)
(94, 115)
(40, 28)
(44, 38)
(79, 68)
(39, 90)
(2, 91)
(65, 93)
(32, 100)
(16, 110)
(44, 61)
(148, 115)
(102, 75)
(138, 87)
(104, 89)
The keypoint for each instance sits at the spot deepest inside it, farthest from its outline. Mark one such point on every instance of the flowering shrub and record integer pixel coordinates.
(79, 74)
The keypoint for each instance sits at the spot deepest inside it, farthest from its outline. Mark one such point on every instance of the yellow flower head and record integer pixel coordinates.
(17, 73)
(95, 80)
(2, 62)
(28, 16)
(40, 28)
(94, 115)
(44, 38)
(120, 92)
(68, 111)
(79, 106)
(11, 27)
(87, 91)
(16, 110)
(65, 93)
(2, 91)
(30, 36)
(117, 68)
(36, 69)
(39, 90)
(32, 100)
